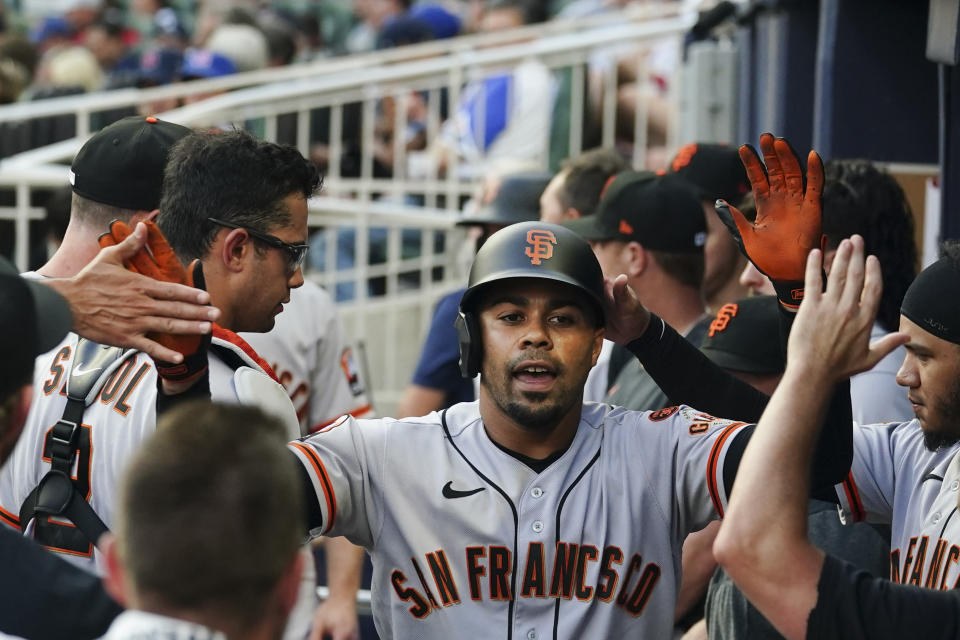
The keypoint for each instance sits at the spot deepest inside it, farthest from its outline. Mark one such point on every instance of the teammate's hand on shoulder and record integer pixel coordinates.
(626, 316)
(115, 306)
(830, 337)
(788, 221)
(156, 260)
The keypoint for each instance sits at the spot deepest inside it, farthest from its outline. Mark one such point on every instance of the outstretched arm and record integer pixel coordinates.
(763, 543)
(679, 368)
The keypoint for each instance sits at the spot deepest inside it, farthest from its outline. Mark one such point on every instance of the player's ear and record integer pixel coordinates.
(597, 343)
(634, 258)
(115, 580)
(233, 249)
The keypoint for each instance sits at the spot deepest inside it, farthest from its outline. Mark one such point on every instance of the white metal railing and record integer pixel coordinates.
(389, 306)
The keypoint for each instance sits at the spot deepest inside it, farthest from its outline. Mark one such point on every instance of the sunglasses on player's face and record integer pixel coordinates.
(296, 253)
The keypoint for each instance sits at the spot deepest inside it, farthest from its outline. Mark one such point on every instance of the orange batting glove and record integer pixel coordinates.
(157, 260)
(788, 222)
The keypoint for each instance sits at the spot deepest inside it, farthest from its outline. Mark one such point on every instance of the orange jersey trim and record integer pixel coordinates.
(229, 336)
(853, 498)
(8, 518)
(356, 413)
(712, 462)
(321, 473)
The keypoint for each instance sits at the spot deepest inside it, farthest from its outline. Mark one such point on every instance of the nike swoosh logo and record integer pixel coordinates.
(80, 371)
(450, 492)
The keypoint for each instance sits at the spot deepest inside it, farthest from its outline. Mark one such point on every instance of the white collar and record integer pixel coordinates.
(141, 625)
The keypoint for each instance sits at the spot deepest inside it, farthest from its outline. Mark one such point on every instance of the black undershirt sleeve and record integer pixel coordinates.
(853, 605)
(687, 376)
(312, 513)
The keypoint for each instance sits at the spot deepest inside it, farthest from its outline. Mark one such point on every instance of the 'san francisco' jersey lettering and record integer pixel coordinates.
(895, 480)
(587, 548)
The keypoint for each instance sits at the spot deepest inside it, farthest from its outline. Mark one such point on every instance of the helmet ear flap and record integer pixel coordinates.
(468, 336)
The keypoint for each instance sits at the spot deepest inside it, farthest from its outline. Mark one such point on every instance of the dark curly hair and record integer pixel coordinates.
(229, 175)
(860, 198)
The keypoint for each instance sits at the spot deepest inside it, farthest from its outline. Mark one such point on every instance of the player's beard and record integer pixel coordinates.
(538, 417)
(947, 412)
(538, 413)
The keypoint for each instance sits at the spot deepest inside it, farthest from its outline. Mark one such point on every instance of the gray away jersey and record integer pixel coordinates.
(895, 480)
(469, 542)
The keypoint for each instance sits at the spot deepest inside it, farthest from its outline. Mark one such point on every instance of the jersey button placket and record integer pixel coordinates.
(536, 492)
(537, 526)
(532, 634)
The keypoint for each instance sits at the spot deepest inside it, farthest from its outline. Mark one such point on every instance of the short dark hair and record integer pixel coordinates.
(233, 176)
(860, 198)
(684, 267)
(586, 176)
(211, 511)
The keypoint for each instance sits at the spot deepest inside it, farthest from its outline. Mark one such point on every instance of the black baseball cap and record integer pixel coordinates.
(661, 212)
(517, 200)
(715, 169)
(33, 319)
(122, 164)
(745, 336)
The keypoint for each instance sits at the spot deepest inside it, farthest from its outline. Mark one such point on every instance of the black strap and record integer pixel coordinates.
(57, 494)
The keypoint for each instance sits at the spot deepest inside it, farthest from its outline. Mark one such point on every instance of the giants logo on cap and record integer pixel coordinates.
(540, 243)
(684, 156)
(724, 315)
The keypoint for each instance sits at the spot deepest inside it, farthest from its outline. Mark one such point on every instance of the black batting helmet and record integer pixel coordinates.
(525, 250)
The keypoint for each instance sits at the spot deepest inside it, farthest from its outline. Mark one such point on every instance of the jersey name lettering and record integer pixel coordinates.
(430, 584)
(117, 388)
(926, 564)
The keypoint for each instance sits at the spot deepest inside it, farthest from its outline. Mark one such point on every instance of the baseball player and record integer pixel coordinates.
(805, 593)
(95, 404)
(903, 474)
(436, 382)
(527, 514)
(908, 474)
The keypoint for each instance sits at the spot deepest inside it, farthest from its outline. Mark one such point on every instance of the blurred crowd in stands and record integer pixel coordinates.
(57, 47)
(51, 48)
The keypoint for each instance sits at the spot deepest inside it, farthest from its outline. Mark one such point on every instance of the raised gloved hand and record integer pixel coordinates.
(157, 260)
(788, 222)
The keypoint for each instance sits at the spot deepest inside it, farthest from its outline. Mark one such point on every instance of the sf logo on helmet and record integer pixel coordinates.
(540, 245)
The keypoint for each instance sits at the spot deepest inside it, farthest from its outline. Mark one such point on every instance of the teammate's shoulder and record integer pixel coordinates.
(906, 433)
